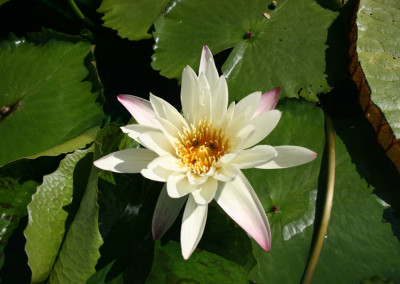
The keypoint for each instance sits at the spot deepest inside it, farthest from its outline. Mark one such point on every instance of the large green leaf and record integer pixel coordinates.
(378, 49)
(202, 267)
(44, 100)
(14, 197)
(132, 19)
(47, 217)
(358, 245)
(289, 195)
(286, 50)
(80, 251)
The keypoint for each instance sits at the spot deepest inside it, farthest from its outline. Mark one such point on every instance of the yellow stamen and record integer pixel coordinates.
(200, 147)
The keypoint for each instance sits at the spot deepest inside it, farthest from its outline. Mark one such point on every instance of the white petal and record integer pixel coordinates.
(289, 156)
(202, 108)
(227, 173)
(165, 213)
(268, 101)
(135, 130)
(139, 108)
(248, 104)
(189, 92)
(196, 179)
(205, 192)
(167, 111)
(126, 161)
(255, 156)
(239, 201)
(157, 142)
(208, 68)
(219, 100)
(264, 124)
(156, 173)
(193, 223)
(170, 131)
(178, 185)
(243, 136)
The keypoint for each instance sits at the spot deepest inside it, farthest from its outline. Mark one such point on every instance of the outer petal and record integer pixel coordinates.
(139, 108)
(289, 156)
(189, 92)
(178, 185)
(264, 124)
(219, 100)
(193, 223)
(167, 111)
(207, 67)
(248, 104)
(268, 101)
(205, 192)
(135, 130)
(255, 156)
(165, 213)
(239, 201)
(227, 173)
(126, 161)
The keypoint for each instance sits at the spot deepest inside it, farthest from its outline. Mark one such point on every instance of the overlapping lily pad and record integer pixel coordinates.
(44, 99)
(132, 19)
(378, 49)
(284, 48)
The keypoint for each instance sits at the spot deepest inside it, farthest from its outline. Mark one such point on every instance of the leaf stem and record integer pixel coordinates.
(79, 13)
(326, 214)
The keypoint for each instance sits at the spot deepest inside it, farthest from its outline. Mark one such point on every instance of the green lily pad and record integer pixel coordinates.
(287, 50)
(132, 19)
(202, 267)
(359, 243)
(289, 195)
(47, 216)
(43, 99)
(80, 250)
(378, 48)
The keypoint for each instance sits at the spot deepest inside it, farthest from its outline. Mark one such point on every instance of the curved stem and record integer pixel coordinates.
(326, 214)
(80, 14)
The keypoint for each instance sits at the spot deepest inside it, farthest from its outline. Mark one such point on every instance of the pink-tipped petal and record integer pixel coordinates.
(239, 201)
(208, 68)
(193, 223)
(268, 101)
(126, 161)
(289, 156)
(165, 213)
(139, 108)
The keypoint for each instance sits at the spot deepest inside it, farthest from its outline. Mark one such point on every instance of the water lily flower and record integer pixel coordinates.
(199, 154)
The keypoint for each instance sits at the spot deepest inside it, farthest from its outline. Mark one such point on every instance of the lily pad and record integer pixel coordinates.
(47, 217)
(378, 48)
(360, 240)
(132, 19)
(284, 48)
(44, 99)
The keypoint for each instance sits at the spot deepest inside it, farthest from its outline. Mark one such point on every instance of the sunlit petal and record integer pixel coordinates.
(205, 192)
(126, 161)
(255, 156)
(178, 185)
(167, 111)
(139, 108)
(227, 172)
(193, 223)
(239, 201)
(268, 101)
(189, 91)
(207, 67)
(263, 124)
(289, 156)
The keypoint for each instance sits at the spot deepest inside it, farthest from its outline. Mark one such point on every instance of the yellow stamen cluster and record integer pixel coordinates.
(200, 147)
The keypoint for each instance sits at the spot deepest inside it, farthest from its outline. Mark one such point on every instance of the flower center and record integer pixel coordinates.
(200, 148)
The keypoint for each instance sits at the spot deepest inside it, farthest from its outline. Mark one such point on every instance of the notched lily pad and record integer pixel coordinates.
(44, 101)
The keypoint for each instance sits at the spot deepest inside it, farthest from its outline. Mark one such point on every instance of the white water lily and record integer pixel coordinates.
(199, 155)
